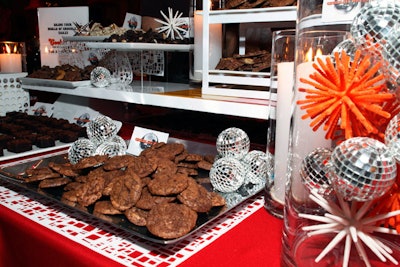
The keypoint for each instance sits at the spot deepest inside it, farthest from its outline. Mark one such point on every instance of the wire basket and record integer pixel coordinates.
(12, 96)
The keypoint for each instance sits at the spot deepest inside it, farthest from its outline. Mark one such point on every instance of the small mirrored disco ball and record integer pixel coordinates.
(392, 137)
(118, 139)
(373, 25)
(101, 129)
(391, 55)
(100, 77)
(227, 174)
(314, 170)
(111, 149)
(81, 148)
(362, 169)
(258, 166)
(233, 142)
(232, 199)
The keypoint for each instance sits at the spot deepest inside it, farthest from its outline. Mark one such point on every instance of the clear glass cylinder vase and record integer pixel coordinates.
(343, 192)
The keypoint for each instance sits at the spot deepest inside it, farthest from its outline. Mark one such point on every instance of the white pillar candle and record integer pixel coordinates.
(10, 62)
(215, 45)
(283, 115)
(301, 146)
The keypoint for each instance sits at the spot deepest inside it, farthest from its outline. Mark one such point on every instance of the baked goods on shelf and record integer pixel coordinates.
(244, 4)
(256, 61)
(19, 132)
(64, 72)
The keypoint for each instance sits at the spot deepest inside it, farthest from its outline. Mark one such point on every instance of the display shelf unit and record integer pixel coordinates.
(226, 82)
(169, 95)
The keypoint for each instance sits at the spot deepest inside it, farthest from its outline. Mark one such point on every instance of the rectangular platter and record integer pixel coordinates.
(54, 83)
(10, 172)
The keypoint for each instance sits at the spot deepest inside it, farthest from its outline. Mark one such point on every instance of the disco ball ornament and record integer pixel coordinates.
(249, 189)
(81, 148)
(101, 129)
(347, 46)
(227, 174)
(391, 55)
(111, 149)
(392, 137)
(100, 77)
(362, 169)
(232, 199)
(233, 142)
(258, 166)
(373, 25)
(314, 170)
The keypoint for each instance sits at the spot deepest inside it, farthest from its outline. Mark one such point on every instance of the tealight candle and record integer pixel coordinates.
(11, 58)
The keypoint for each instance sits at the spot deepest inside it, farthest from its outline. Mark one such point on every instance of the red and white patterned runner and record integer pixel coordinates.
(116, 243)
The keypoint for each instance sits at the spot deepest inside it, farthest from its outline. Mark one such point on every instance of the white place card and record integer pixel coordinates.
(143, 138)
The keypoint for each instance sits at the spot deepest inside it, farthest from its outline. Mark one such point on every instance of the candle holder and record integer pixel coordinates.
(281, 92)
(12, 57)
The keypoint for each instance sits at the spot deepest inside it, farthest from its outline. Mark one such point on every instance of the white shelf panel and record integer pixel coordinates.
(239, 78)
(141, 46)
(170, 95)
(270, 14)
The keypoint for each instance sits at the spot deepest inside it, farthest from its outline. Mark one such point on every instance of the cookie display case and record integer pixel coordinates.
(234, 83)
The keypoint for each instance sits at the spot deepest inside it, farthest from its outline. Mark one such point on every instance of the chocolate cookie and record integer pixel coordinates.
(165, 185)
(137, 216)
(65, 169)
(171, 220)
(91, 191)
(40, 174)
(196, 197)
(91, 161)
(105, 207)
(54, 182)
(126, 191)
(118, 162)
(147, 201)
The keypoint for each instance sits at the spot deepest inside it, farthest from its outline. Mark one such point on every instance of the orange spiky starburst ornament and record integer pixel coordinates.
(347, 95)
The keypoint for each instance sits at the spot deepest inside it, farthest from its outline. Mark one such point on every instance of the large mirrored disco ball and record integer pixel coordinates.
(362, 169)
(373, 25)
(81, 148)
(233, 142)
(227, 174)
(111, 149)
(101, 129)
(100, 77)
(314, 171)
(392, 137)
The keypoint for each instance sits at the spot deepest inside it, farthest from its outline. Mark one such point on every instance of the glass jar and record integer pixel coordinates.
(341, 200)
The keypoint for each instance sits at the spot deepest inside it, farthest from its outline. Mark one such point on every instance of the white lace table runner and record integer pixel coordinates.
(117, 244)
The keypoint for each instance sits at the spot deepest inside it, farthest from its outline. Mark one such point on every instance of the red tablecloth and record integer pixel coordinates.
(254, 242)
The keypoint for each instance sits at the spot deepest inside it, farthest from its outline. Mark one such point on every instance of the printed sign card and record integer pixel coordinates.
(143, 138)
(54, 23)
(132, 21)
(334, 11)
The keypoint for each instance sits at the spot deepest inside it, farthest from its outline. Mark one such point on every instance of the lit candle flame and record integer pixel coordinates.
(46, 50)
(309, 55)
(209, 5)
(8, 50)
(318, 53)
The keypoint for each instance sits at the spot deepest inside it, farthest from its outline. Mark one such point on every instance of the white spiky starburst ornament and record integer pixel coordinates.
(172, 24)
(349, 222)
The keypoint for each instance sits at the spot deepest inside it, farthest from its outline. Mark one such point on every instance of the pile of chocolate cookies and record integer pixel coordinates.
(256, 61)
(157, 189)
(243, 4)
(64, 72)
(141, 36)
